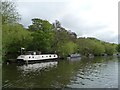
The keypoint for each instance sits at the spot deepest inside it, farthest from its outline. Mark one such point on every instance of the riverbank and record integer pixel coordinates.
(9, 61)
(49, 38)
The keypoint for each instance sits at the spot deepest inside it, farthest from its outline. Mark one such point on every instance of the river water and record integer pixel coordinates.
(98, 72)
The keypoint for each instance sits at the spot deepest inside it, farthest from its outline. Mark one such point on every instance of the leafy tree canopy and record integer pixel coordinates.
(9, 12)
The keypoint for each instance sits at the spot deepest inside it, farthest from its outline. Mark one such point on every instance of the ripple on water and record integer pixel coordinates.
(86, 74)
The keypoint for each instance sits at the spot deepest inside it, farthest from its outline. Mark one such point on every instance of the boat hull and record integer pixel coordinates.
(37, 57)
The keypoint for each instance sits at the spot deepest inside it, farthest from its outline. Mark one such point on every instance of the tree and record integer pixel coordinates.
(57, 25)
(42, 34)
(39, 24)
(9, 12)
(61, 37)
(118, 47)
(90, 46)
(67, 48)
(99, 49)
(14, 36)
(41, 41)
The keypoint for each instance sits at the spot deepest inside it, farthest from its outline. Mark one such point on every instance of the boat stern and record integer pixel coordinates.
(21, 57)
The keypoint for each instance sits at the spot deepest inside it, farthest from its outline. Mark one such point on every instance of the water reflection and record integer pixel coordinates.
(74, 59)
(99, 72)
(37, 66)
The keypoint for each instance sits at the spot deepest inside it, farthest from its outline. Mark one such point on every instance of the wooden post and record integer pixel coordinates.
(27, 62)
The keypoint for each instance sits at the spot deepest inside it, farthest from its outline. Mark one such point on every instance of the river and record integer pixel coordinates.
(98, 72)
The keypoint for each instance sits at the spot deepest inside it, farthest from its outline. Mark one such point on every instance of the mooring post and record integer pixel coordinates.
(27, 62)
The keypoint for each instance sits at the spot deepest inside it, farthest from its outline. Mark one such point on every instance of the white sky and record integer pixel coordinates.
(88, 18)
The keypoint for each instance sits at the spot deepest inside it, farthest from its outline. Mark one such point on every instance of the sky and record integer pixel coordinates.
(87, 18)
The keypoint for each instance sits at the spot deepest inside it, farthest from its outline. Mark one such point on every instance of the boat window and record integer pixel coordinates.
(50, 56)
(29, 57)
(42, 56)
(54, 55)
(32, 57)
(46, 56)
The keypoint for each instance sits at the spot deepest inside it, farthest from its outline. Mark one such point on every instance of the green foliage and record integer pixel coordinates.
(39, 24)
(42, 35)
(98, 49)
(85, 46)
(118, 48)
(90, 46)
(9, 12)
(14, 37)
(41, 41)
(67, 48)
(109, 49)
(47, 38)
